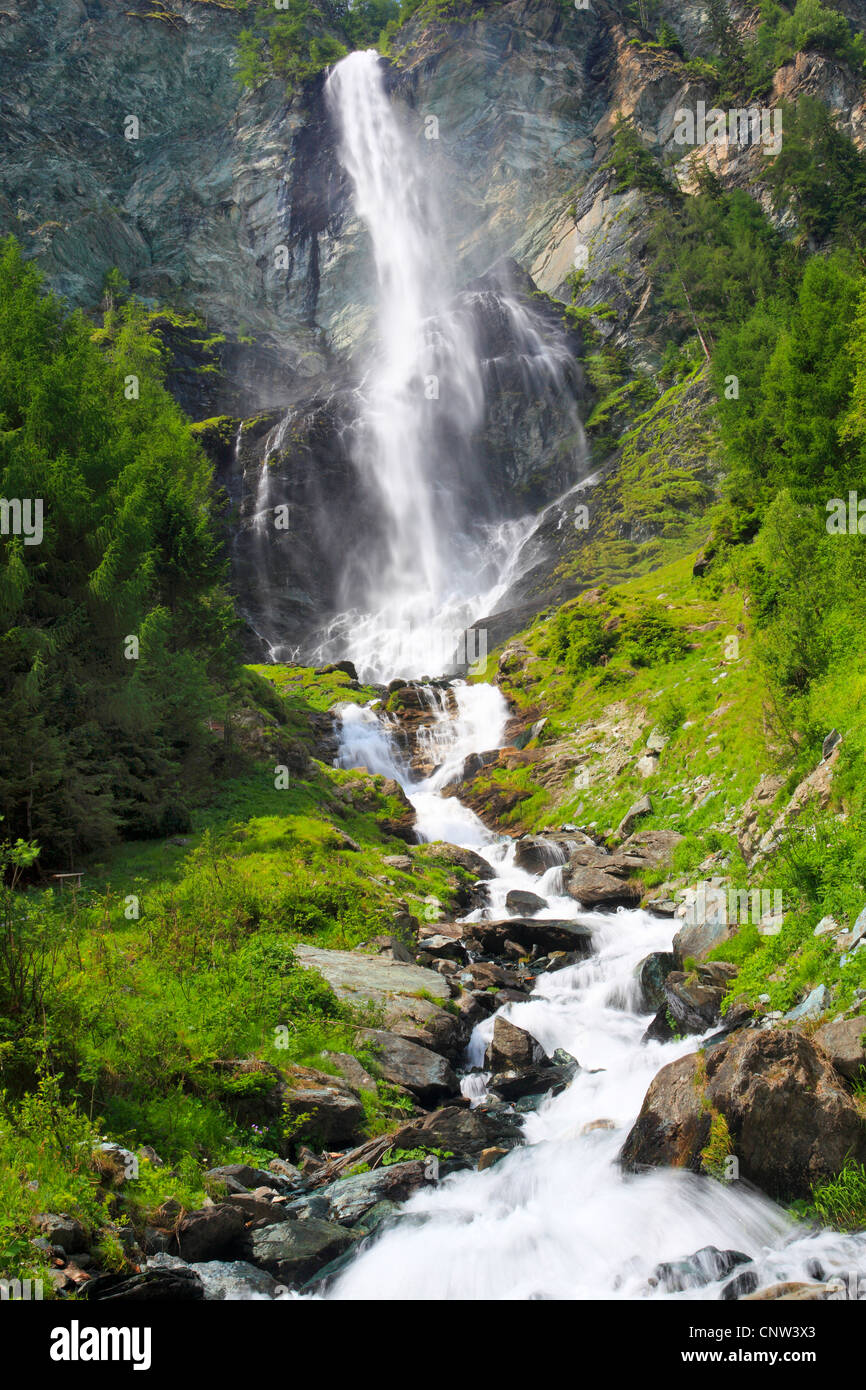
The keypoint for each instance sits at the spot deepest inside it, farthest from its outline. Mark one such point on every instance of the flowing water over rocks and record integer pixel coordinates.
(558, 1217)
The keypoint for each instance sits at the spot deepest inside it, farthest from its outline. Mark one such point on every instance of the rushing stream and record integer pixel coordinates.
(557, 1218)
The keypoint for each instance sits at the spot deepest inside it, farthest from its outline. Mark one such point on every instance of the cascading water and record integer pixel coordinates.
(557, 1217)
(441, 562)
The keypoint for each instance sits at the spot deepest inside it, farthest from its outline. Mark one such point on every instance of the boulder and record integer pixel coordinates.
(424, 1023)
(536, 853)
(652, 847)
(459, 1131)
(651, 974)
(458, 858)
(539, 934)
(211, 1233)
(539, 1080)
(352, 1071)
(695, 1000)
(642, 807)
(524, 903)
(293, 1251)
(705, 922)
(814, 1004)
(243, 1177)
(597, 888)
(843, 1041)
(694, 1271)
(792, 1123)
(234, 1280)
(59, 1228)
(322, 1108)
(351, 1199)
(511, 1048)
(173, 1283)
(424, 1073)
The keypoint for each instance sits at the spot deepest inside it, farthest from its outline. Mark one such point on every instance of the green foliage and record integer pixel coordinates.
(578, 639)
(93, 744)
(841, 1201)
(650, 637)
(820, 174)
(632, 162)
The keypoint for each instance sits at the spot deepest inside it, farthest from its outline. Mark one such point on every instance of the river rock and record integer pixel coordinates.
(241, 1177)
(641, 807)
(598, 888)
(231, 1280)
(842, 1040)
(695, 1000)
(706, 1266)
(293, 1251)
(524, 903)
(536, 853)
(209, 1234)
(63, 1230)
(459, 1131)
(792, 1123)
(539, 1080)
(511, 1048)
(651, 974)
(458, 858)
(424, 1073)
(533, 933)
(175, 1282)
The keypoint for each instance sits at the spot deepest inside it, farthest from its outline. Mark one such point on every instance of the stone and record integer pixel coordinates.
(536, 853)
(352, 1198)
(831, 741)
(459, 1131)
(458, 858)
(596, 888)
(63, 1230)
(424, 1073)
(174, 1282)
(524, 903)
(488, 1157)
(694, 1000)
(401, 862)
(391, 947)
(657, 741)
(791, 1120)
(209, 1234)
(540, 1079)
(245, 1176)
(352, 1071)
(642, 807)
(812, 1006)
(511, 1048)
(363, 979)
(321, 1108)
(650, 974)
(842, 1040)
(706, 1266)
(293, 1251)
(231, 1280)
(647, 765)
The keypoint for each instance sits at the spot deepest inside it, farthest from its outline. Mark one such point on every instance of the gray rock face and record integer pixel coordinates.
(651, 974)
(361, 979)
(426, 1075)
(322, 1108)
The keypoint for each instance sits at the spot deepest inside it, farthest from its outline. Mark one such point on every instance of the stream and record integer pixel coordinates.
(557, 1218)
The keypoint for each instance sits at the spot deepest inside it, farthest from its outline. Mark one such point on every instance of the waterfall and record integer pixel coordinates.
(442, 560)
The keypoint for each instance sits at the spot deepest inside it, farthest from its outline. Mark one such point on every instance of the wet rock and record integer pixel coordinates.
(815, 1003)
(742, 1284)
(534, 934)
(172, 1283)
(488, 1157)
(536, 853)
(792, 1123)
(842, 1040)
(651, 974)
(541, 1079)
(458, 858)
(458, 1131)
(230, 1280)
(694, 1000)
(295, 1250)
(427, 1075)
(598, 888)
(512, 1048)
(521, 901)
(706, 1266)
(351, 1199)
(209, 1234)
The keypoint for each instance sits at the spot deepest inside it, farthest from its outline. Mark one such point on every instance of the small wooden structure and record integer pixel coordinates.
(63, 877)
